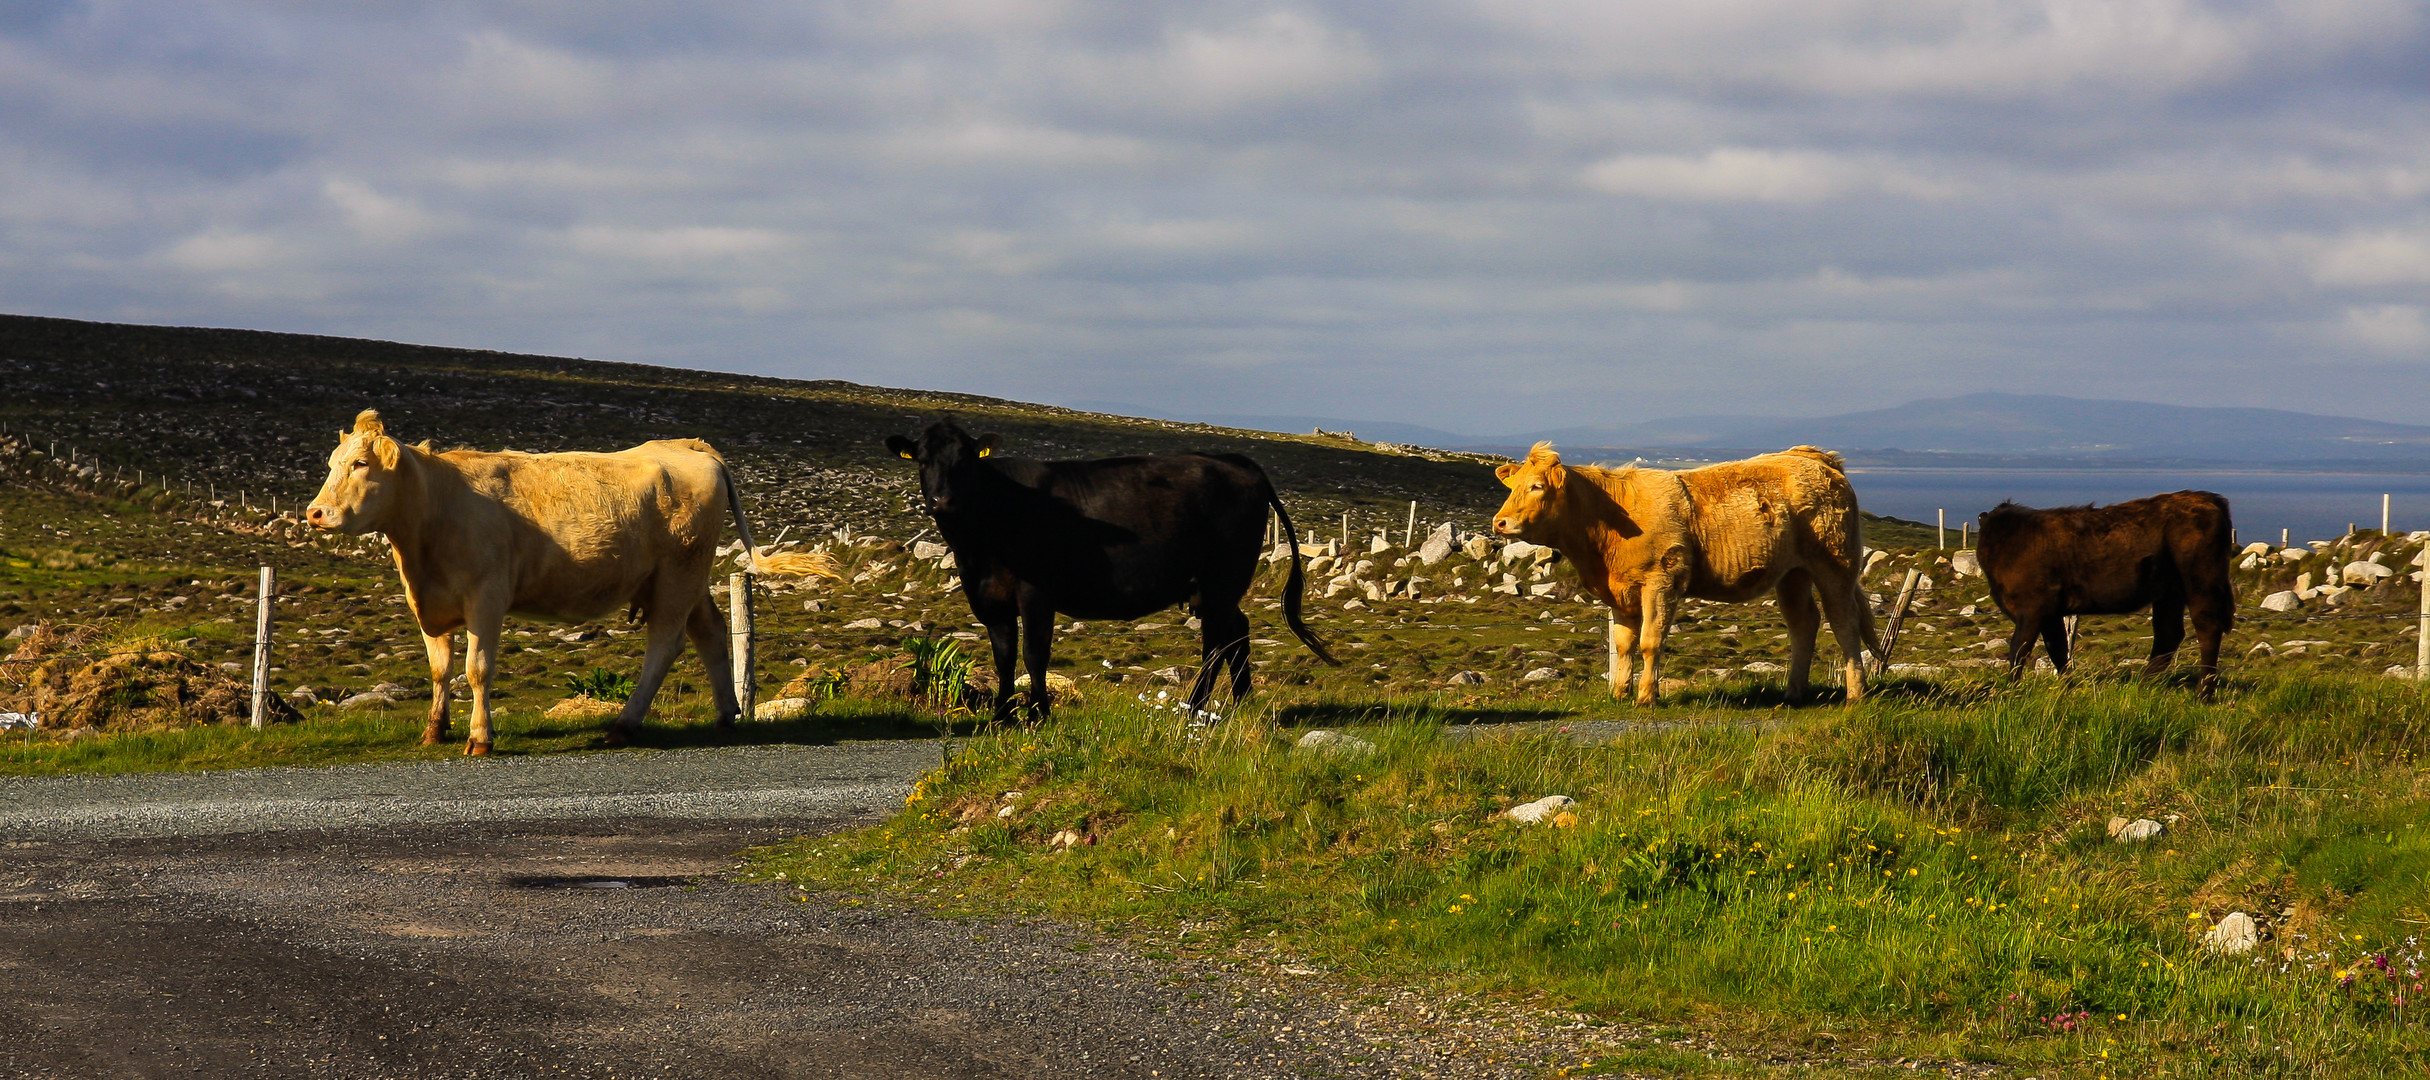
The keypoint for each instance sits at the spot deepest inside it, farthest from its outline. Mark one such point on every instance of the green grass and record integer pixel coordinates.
(1930, 867)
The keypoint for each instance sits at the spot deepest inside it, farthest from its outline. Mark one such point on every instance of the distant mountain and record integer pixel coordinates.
(1369, 430)
(1982, 429)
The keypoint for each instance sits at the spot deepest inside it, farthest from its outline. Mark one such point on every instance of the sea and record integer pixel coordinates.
(2308, 506)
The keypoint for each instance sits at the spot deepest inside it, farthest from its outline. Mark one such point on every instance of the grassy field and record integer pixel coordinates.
(1925, 876)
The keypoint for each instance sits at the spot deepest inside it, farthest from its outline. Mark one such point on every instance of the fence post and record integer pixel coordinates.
(2421, 631)
(2383, 513)
(261, 651)
(1940, 529)
(738, 621)
(1409, 531)
(1898, 614)
(1345, 532)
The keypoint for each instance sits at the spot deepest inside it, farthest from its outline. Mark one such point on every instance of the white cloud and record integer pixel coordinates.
(2393, 329)
(374, 216)
(1740, 174)
(2382, 258)
(676, 245)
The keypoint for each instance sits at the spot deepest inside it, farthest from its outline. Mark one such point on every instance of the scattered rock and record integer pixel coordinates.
(2282, 600)
(784, 709)
(1468, 678)
(1064, 840)
(1478, 547)
(1540, 675)
(1966, 564)
(368, 699)
(872, 623)
(2366, 573)
(1321, 741)
(1763, 667)
(1437, 546)
(1172, 675)
(1530, 813)
(922, 549)
(2233, 936)
(2136, 831)
(1059, 689)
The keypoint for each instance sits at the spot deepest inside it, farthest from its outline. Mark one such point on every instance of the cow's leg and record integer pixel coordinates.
(1658, 603)
(1004, 642)
(707, 628)
(2168, 630)
(1220, 634)
(1037, 645)
(1796, 593)
(2020, 642)
(482, 626)
(441, 648)
(1623, 651)
(1839, 605)
(665, 634)
(2214, 611)
(2054, 640)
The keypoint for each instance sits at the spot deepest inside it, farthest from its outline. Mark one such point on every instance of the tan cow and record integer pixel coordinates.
(1641, 539)
(560, 536)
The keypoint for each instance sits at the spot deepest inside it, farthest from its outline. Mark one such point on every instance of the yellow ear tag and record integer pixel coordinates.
(985, 450)
(904, 454)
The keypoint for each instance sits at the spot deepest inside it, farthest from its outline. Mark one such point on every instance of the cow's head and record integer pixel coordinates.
(948, 459)
(362, 478)
(1533, 510)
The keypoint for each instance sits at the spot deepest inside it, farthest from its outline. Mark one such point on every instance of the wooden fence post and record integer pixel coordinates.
(261, 651)
(1898, 614)
(2383, 513)
(1940, 529)
(1409, 531)
(738, 621)
(1345, 532)
(2421, 631)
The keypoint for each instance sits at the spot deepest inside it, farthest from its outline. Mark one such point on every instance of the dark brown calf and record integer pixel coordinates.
(2168, 553)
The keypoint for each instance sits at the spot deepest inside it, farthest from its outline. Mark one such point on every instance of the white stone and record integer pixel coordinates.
(2281, 600)
(1321, 741)
(2295, 554)
(2367, 572)
(1541, 674)
(1438, 545)
(1966, 564)
(2136, 831)
(2249, 562)
(1379, 545)
(1540, 810)
(783, 709)
(1468, 678)
(922, 549)
(361, 700)
(866, 624)
(2257, 547)
(1478, 547)
(1873, 559)
(1317, 566)
(2233, 936)
(1545, 589)
(1763, 667)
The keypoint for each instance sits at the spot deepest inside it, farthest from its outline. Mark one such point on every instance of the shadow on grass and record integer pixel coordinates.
(1324, 713)
(840, 720)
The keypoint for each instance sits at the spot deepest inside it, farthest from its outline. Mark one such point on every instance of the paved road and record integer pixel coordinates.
(576, 916)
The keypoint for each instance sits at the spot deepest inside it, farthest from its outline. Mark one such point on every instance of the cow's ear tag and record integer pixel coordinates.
(904, 454)
(986, 450)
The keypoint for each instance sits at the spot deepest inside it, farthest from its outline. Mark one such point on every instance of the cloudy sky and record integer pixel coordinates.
(1486, 216)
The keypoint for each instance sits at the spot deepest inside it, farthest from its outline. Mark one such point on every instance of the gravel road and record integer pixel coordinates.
(576, 916)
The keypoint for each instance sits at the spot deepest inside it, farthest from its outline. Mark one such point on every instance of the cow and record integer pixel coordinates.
(570, 536)
(1114, 538)
(2167, 552)
(1784, 524)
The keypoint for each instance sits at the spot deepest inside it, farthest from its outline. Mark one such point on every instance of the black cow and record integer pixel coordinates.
(1116, 538)
(2168, 552)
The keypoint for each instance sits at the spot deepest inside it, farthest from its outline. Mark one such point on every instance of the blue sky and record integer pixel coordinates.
(1484, 217)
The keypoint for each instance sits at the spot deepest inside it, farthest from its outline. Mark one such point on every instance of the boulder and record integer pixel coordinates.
(1763, 667)
(2257, 547)
(2136, 831)
(1059, 688)
(1437, 546)
(2365, 573)
(1541, 674)
(1468, 678)
(1379, 545)
(2281, 600)
(582, 707)
(2295, 554)
(922, 549)
(1540, 810)
(1321, 741)
(1478, 547)
(783, 709)
(1966, 564)
(2233, 936)
(866, 624)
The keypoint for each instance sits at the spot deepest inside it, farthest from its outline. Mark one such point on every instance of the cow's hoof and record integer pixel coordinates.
(725, 724)
(616, 737)
(475, 749)
(434, 736)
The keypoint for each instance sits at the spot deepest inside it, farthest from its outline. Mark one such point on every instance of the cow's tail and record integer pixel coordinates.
(760, 561)
(1296, 583)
